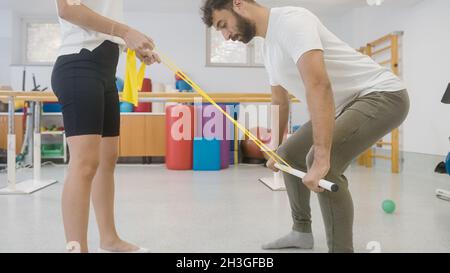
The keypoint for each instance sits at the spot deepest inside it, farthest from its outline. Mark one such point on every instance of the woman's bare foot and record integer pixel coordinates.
(118, 246)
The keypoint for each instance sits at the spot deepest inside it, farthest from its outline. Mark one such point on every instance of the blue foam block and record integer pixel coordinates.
(206, 155)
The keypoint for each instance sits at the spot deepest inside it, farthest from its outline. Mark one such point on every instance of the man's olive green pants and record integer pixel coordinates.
(361, 124)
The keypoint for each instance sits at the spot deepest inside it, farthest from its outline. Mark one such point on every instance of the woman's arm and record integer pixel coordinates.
(83, 16)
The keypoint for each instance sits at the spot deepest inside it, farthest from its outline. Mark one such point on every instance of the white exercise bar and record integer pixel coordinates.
(324, 184)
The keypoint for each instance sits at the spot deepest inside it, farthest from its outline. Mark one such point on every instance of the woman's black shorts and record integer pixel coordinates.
(85, 84)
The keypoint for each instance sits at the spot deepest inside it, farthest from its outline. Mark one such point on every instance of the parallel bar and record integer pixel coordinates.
(157, 97)
(170, 99)
(31, 98)
(50, 94)
(8, 93)
(217, 100)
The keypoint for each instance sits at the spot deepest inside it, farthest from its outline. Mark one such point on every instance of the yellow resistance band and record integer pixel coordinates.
(174, 68)
(133, 79)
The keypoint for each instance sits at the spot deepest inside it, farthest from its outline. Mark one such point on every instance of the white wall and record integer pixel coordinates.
(426, 63)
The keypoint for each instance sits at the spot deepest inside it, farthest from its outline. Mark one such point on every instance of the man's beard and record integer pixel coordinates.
(246, 29)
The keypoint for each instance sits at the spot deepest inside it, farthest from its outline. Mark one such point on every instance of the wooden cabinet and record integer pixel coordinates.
(4, 132)
(155, 141)
(132, 136)
(142, 135)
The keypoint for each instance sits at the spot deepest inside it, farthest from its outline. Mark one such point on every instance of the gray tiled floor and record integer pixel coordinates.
(230, 211)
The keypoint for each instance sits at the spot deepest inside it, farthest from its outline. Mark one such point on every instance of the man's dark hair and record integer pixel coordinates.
(211, 5)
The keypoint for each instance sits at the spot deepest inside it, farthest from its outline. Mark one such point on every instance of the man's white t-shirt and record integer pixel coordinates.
(75, 38)
(293, 31)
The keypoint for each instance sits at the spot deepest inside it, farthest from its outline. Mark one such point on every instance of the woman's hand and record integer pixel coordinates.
(142, 45)
(149, 57)
(136, 40)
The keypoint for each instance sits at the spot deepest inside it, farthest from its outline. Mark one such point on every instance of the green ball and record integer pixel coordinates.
(388, 206)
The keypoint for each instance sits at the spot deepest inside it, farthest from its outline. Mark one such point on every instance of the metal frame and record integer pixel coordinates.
(36, 183)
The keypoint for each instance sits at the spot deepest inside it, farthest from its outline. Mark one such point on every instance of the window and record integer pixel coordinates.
(229, 53)
(42, 39)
